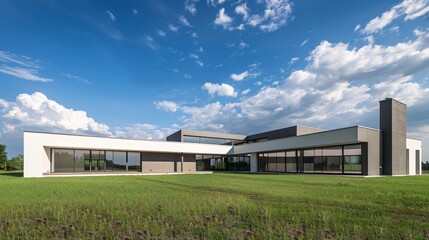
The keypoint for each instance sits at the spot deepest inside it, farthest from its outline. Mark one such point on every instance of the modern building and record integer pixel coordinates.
(353, 150)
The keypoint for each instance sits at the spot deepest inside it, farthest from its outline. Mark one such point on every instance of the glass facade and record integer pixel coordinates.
(345, 159)
(69, 160)
(206, 140)
(224, 163)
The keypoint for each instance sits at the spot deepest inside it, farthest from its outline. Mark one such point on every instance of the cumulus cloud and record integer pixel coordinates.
(220, 89)
(37, 112)
(223, 19)
(239, 77)
(243, 10)
(340, 86)
(410, 9)
(168, 106)
(21, 67)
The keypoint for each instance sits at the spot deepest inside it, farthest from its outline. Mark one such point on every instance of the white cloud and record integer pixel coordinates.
(23, 73)
(220, 89)
(111, 16)
(357, 27)
(221, 1)
(394, 29)
(242, 45)
(172, 28)
(293, 60)
(184, 21)
(135, 11)
(243, 10)
(190, 7)
(150, 42)
(143, 131)
(187, 76)
(21, 67)
(304, 42)
(37, 112)
(275, 15)
(245, 92)
(348, 81)
(194, 35)
(199, 62)
(239, 77)
(223, 19)
(410, 9)
(161, 33)
(80, 79)
(194, 56)
(200, 49)
(168, 106)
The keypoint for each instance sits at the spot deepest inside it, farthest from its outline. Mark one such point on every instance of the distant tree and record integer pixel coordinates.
(16, 163)
(425, 166)
(3, 157)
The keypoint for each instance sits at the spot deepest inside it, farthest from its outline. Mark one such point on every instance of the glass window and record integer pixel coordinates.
(109, 161)
(218, 141)
(281, 162)
(352, 164)
(97, 161)
(352, 150)
(207, 161)
(79, 158)
(333, 158)
(262, 165)
(309, 160)
(133, 161)
(353, 159)
(272, 162)
(318, 161)
(199, 162)
(191, 139)
(418, 163)
(63, 160)
(119, 161)
(291, 161)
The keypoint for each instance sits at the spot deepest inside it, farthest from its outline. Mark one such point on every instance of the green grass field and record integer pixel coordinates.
(217, 206)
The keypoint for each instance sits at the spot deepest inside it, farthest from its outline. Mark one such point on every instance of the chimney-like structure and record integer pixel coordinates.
(393, 124)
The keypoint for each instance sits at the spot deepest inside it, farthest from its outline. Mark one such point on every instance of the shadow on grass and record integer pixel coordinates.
(12, 173)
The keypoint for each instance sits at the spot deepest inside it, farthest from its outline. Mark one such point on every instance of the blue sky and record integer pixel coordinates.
(143, 69)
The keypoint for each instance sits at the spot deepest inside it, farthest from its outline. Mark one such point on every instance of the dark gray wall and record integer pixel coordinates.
(175, 137)
(393, 124)
(283, 132)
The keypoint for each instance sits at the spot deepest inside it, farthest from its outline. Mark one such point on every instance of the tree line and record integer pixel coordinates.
(15, 163)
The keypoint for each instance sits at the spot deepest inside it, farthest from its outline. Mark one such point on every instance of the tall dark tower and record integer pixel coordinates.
(393, 124)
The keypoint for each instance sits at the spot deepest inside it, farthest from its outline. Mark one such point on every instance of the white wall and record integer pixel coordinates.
(412, 146)
(37, 148)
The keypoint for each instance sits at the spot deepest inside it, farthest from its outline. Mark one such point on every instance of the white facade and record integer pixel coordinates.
(37, 148)
(414, 150)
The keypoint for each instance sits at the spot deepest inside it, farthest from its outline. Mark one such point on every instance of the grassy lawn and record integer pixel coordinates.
(217, 206)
